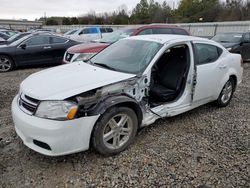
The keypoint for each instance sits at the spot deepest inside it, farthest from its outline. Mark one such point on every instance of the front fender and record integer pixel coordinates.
(107, 103)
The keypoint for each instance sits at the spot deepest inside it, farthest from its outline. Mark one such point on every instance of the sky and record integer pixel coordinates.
(32, 9)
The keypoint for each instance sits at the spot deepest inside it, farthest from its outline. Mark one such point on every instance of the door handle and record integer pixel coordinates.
(47, 47)
(223, 67)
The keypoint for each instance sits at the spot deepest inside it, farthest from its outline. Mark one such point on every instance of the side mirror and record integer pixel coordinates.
(23, 46)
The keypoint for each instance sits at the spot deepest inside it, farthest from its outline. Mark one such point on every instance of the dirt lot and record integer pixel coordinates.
(207, 147)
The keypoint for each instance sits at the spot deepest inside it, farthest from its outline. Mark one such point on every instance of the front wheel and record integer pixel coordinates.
(6, 64)
(115, 131)
(226, 93)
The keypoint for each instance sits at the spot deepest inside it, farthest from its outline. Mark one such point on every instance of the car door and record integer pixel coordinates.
(209, 70)
(35, 50)
(245, 49)
(58, 46)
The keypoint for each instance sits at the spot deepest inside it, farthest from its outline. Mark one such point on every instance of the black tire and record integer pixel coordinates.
(6, 63)
(101, 126)
(222, 102)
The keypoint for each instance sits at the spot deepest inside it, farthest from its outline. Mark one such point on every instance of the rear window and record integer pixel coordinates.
(106, 30)
(180, 31)
(163, 31)
(57, 40)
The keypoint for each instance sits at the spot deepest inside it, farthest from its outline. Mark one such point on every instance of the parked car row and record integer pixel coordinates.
(33, 49)
(86, 51)
(82, 44)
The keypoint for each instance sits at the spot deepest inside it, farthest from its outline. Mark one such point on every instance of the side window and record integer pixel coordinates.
(57, 40)
(110, 30)
(103, 30)
(146, 32)
(163, 31)
(93, 30)
(206, 53)
(38, 40)
(180, 32)
(85, 31)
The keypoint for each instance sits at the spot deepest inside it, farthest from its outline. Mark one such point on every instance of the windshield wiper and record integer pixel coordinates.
(105, 66)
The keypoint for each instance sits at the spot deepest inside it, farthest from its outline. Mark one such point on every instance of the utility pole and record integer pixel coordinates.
(45, 18)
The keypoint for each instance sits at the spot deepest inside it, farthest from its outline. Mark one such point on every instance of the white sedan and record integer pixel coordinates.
(128, 85)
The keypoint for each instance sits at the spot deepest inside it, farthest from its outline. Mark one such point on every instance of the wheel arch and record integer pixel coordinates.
(119, 101)
(234, 77)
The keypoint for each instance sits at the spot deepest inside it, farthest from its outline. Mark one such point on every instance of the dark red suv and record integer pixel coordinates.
(87, 50)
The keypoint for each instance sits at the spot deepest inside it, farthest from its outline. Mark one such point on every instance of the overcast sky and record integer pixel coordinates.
(32, 9)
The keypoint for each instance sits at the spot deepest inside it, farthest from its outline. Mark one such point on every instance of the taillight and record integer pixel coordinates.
(241, 62)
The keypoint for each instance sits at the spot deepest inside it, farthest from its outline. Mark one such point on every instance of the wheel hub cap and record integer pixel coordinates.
(117, 131)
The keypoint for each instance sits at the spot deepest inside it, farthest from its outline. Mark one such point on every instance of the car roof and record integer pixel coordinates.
(164, 38)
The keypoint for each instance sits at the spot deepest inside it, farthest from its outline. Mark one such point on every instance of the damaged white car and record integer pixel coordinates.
(128, 85)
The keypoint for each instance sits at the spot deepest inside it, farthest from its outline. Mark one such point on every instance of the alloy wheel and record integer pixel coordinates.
(227, 92)
(5, 64)
(117, 131)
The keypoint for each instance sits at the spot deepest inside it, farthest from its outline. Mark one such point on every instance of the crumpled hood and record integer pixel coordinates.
(68, 80)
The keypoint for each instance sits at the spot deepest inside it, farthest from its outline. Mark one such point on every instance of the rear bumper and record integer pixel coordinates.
(62, 137)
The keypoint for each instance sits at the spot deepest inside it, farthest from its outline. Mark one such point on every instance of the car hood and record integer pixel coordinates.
(228, 45)
(68, 80)
(87, 48)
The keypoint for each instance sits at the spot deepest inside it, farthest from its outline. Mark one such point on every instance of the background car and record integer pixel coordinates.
(85, 51)
(34, 49)
(14, 38)
(87, 34)
(8, 32)
(3, 36)
(235, 42)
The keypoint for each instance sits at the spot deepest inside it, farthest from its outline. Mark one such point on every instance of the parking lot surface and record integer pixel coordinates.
(207, 146)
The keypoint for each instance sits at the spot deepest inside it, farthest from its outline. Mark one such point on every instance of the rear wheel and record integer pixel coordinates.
(6, 63)
(115, 131)
(226, 93)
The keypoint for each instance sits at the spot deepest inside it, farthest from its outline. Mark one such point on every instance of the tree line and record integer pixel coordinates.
(188, 11)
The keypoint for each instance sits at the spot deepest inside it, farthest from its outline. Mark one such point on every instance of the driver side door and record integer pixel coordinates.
(37, 51)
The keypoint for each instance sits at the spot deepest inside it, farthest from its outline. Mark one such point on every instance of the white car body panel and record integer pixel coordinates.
(76, 78)
(67, 80)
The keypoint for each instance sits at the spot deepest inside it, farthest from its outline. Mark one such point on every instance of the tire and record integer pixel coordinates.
(6, 63)
(226, 93)
(118, 138)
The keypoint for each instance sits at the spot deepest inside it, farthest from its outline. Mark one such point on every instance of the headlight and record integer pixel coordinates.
(57, 110)
(229, 49)
(84, 57)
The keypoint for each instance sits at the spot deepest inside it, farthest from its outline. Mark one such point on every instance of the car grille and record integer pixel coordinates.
(28, 104)
(68, 56)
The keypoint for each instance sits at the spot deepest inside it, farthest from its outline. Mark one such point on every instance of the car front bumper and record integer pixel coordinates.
(51, 137)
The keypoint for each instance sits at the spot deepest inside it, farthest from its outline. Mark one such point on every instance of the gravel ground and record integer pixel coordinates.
(206, 147)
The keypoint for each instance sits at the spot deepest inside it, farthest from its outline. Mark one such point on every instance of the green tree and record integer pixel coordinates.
(140, 13)
(51, 21)
(66, 21)
(74, 21)
(193, 10)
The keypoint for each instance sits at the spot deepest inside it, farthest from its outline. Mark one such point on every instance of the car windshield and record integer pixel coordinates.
(129, 56)
(71, 32)
(228, 37)
(116, 35)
